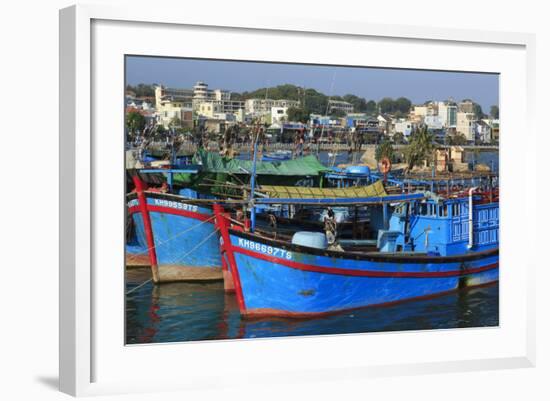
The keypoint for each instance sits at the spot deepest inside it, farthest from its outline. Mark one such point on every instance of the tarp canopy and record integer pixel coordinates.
(371, 200)
(214, 163)
(285, 192)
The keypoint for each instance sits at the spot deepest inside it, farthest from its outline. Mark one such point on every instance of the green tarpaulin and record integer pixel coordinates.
(214, 163)
(215, 171)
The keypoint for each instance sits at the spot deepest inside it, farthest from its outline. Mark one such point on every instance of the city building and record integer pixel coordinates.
(494, 125)
(424, 110)
(263, 106)
(148, 114)
(339, 105)
(385, 124)
(405, 127)
(356, 119)
(208, 109)
(164, 94)
(175, 114)
(279, 115)
(483, 131)
(434, 122)
(219, 100)
(466, 125)
(466, 106)
(448, 113)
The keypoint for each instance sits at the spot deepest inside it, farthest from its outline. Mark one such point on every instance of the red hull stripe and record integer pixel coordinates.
(169, 210)
(360, 273)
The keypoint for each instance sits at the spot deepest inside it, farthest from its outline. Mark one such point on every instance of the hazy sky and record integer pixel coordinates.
(370, 83)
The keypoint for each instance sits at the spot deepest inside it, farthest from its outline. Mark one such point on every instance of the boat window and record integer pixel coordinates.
(423, 209)
(442, 210)
(456, 209)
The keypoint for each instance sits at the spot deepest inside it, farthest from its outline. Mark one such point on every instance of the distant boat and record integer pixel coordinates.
(277, 155)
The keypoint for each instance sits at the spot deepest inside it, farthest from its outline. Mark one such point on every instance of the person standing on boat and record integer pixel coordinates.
(330, 226)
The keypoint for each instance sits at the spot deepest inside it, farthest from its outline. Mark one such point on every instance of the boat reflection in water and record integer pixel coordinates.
(175, 312)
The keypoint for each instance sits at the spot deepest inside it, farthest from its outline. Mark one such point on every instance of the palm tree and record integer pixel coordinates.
(398, 138)
(421, 148)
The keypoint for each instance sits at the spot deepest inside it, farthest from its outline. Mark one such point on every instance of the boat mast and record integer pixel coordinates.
(326, 112)
(253, 182)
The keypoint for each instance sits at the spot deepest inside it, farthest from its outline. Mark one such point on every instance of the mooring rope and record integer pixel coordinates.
(171, 238)
(200, 243)
(139, 286)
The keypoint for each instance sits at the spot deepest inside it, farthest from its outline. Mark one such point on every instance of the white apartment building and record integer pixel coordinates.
(208, 109)
(448, 113)
(339, 105)
(195, 97)
(483, 131)
(279, 115)
(264, 106)
(168, 111)
(465, 124)
(434, 122)
(405, 127)
(164, 94)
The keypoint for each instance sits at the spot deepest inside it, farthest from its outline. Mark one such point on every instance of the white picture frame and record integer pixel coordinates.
(83, 347)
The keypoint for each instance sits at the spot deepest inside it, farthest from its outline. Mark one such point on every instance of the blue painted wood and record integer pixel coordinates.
(180, 240)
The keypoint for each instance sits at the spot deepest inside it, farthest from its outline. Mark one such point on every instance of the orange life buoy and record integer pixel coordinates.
(385, 165)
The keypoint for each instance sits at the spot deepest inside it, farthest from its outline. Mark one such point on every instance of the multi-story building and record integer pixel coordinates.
(263, 106)
(434, 122)
(197, 96)
(385, 124)
(466, 125)
(339, 105)
(466, 106)
(483, 131)
(279, 115)
(164, 94)
(175, 114)
(448, 113)
(208, 109)
(405, 127)
(218, 98)
(425, 110)
(495, 130)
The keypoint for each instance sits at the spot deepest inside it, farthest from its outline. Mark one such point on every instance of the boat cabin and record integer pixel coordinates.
(439, 227)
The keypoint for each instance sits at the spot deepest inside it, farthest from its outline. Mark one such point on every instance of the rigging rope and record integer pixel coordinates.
(173, 237)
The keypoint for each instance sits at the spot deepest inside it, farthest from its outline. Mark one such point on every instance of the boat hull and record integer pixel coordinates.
(272, 280)
(186, 244)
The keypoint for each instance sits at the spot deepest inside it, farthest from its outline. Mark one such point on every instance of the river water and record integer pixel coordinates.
(191, 312)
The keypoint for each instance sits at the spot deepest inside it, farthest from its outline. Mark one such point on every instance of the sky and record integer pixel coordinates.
(370, 83)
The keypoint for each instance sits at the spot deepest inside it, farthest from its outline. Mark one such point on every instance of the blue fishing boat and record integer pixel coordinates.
(421, 246)
(178, 234)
